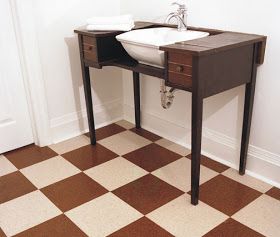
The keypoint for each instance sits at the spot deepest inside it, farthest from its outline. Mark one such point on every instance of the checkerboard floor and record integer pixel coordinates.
(132, 183)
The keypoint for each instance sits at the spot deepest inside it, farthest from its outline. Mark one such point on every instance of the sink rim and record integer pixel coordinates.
(153, 45)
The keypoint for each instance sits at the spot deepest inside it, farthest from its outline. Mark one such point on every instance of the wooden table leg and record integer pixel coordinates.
(248, 111)
(136, 86)
(197, 112)
(88, 97)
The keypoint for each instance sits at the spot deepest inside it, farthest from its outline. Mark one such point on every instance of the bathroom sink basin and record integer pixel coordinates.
(143, 45)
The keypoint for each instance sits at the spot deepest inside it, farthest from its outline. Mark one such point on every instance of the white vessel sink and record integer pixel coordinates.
(143, 45)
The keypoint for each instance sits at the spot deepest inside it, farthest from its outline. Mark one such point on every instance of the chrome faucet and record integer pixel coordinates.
(180, 15)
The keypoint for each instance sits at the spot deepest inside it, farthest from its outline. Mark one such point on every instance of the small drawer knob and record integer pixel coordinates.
(179, 68)
(90, 48)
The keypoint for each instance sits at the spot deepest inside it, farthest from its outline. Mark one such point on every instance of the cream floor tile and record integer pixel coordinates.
(103, 216)
(178, 174)
(262, 215)
(181, 218)
(124, 142)
(25, 212)
(164, 142)
(71, 144)
(125, 124)
(248, 180)
(6, 167)
(49, 171)
(115, 173)
(183, 151)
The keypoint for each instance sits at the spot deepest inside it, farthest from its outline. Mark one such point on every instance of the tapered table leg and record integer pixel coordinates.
(197, 112)
(136, 86)
(248, 111)
(88, 97)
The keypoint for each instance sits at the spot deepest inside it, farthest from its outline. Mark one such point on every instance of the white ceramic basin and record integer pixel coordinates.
(143, 45)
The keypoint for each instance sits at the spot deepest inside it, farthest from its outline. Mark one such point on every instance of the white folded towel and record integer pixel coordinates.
(113, 20)
(113, 27)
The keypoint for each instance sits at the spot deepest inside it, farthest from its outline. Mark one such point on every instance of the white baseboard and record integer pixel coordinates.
(75, 124)
(261, 164)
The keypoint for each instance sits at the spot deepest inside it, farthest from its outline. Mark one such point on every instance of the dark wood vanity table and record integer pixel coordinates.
(204, 67)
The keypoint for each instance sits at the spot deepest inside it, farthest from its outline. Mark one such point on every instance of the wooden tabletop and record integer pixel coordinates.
(217, 41)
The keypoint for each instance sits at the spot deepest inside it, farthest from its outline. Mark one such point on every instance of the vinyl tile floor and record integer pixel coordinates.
(133, 183)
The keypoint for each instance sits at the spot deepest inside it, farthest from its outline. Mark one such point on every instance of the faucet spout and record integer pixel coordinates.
(180, 21)
(169, 17)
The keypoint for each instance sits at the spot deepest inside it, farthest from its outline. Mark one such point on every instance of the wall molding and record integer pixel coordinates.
(75, 124)
(262, 164)
(255, 151)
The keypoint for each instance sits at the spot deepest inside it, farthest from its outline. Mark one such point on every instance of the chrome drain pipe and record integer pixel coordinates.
(167, 97)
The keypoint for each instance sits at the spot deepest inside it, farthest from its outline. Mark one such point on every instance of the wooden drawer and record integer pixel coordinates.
(180, 59)
(180, 80)
(89, 40)
(92, 56)
(90, 48)
(101, 49)
(180, 70)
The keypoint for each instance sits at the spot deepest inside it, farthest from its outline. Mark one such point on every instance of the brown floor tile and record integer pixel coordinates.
(89, 156)
(147, 193)
(2, 234)
(59, 226)
(211, 164)
(141, 228)
(74, 191)
(274, 192)
(146, 134)
(227, 195)
(152, 157)
(14, 185)
(107, 131)
(232, 228)
(29, 155)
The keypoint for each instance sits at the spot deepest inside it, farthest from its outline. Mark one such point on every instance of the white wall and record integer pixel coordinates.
(222, 113)
(60, 63)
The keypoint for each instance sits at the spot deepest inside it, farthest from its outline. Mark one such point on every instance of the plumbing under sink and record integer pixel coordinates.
(143, 45)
